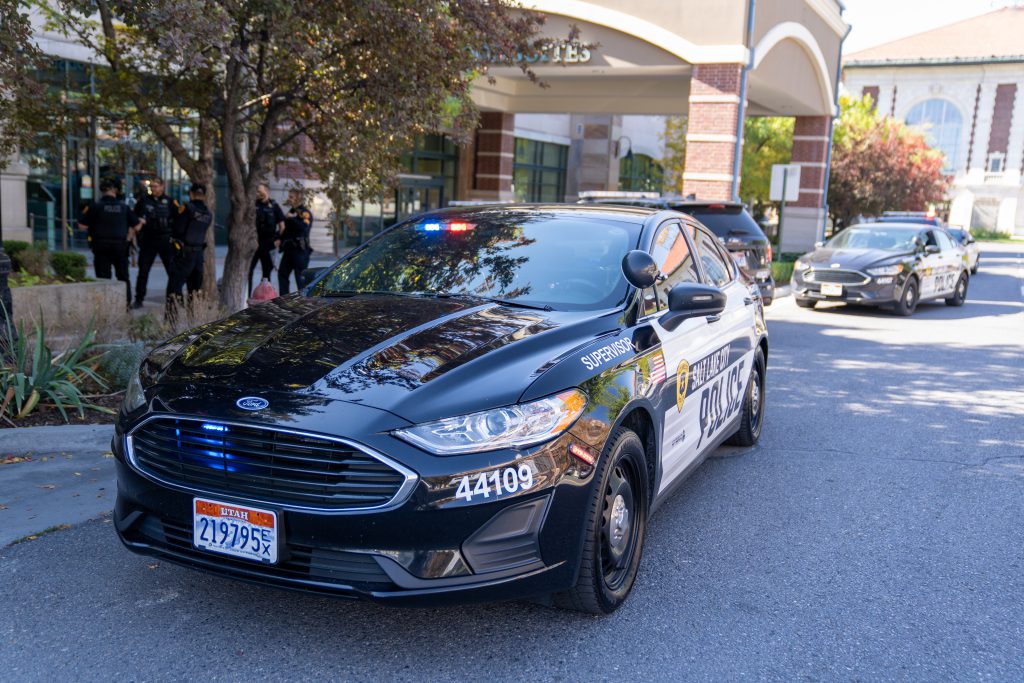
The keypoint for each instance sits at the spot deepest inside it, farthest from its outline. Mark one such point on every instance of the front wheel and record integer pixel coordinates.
(960, 293)
(617, 522)
(752, 412)
(907, 303)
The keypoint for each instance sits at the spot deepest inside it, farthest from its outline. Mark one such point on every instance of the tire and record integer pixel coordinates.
(907, 303)
(805, 303)
(616, 526)
(977, 264)
(752, 412)
(960, 293)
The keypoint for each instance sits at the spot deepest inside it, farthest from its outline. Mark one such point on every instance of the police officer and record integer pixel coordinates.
(269, 224)
(157, 210)
(294, 243)
(188, 235)
(110, 225)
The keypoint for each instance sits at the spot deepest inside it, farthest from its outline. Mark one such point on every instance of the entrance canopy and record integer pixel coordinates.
(639, 58)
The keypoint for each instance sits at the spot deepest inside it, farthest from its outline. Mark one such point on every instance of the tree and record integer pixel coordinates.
(880, 164)
(21, 95)
(674, 160)
(767, 140)
(349, 84)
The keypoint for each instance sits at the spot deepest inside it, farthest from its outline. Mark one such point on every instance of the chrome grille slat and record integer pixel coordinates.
(267, 465)
(836, 276)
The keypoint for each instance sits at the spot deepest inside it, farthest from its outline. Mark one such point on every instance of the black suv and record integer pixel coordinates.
(731, 223)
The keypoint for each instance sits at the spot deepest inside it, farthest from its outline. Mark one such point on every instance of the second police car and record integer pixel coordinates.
(896, 265)
(475, 405)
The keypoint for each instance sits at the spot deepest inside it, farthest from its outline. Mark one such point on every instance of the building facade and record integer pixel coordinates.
(963, 86)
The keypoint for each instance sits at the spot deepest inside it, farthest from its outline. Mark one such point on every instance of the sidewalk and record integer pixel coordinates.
(67, 478)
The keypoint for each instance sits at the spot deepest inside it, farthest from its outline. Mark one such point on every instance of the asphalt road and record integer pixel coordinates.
(876, 533)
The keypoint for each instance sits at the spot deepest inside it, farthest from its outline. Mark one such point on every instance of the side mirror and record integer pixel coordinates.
(819, 245)
(691, 300)
(932, 249)
(310, 274)
(640, 269)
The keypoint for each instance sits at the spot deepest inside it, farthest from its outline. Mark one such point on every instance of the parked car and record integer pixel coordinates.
(730, 221)
(883, 264)
(919, 217)
(970, 245)
(477, 404)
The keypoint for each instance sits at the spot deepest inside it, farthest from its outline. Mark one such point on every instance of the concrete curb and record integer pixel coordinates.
(21, 441)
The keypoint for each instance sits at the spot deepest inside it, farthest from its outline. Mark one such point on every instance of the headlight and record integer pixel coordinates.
(520, 425)
(134, 397)
(887, 270)
(799, 265)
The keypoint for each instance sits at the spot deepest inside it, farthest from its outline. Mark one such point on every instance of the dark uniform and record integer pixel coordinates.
(268, 216)
(295, 248)
(108, 221)
(189, 240)
(155, 238)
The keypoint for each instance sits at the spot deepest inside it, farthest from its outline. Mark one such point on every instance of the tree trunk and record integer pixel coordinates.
(241, 247)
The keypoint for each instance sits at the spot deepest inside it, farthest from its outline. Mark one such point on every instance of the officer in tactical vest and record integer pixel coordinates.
(158, 211)
(269, 224)
(294, 245)
(188, 237)
(110, 225)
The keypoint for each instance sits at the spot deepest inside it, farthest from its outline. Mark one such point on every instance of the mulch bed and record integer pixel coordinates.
(48, 415)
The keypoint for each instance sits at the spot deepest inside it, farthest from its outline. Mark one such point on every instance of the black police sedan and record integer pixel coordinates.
(883, 264)
(476, 404)
(730, 221)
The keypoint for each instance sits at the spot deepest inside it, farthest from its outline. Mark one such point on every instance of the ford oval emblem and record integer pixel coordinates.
(252, 403)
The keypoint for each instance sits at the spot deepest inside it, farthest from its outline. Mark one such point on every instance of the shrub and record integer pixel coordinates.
(120, 362)
(147, 328)
(990, 235)
(782, 272)
(34, 260)
(13, 248)
(69, 265)
(31, 373)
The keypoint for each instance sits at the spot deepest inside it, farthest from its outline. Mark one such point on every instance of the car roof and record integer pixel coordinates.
(904, 225)
(672, 202)
(629, 214)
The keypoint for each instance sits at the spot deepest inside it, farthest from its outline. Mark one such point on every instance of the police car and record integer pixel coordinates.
(477, 404)
(896, 265)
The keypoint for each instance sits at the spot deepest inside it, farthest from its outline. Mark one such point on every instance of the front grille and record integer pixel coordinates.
(299, 562)
(262, 464)
(843, 277)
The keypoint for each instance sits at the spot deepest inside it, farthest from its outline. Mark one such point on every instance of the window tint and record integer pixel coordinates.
(672, 254)
(945, 242)
(715, 266)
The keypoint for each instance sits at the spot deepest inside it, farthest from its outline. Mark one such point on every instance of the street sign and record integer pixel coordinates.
(785, 179)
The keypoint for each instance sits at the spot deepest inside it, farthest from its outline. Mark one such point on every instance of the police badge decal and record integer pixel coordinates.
(682, 382)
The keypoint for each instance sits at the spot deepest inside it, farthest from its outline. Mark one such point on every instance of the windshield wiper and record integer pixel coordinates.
(494, 300)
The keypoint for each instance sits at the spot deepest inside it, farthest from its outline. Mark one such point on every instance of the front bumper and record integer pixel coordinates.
(767, 288)
(431, 548)
(871, 293)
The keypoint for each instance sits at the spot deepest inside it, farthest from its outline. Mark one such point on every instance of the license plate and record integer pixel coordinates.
(230, 529)
(763, 274)
(829, 289)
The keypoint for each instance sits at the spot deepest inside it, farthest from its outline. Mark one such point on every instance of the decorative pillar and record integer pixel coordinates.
(712, 123)
(495, 153)
(804, 219)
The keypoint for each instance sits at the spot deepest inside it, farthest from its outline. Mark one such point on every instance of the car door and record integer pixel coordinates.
(931, 265)
(953, 261)
(673, 253)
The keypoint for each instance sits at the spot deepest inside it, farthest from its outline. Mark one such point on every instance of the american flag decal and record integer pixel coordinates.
(658, 368)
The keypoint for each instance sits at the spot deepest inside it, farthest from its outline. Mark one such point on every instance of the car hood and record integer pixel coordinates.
(850, 259)
(419, 358)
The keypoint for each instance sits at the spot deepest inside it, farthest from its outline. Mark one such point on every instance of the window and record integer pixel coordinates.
(538, 174)
(945, 241)
(716, 267)
(942, 124)
(996, 161)
(640, 173)
(671, 252)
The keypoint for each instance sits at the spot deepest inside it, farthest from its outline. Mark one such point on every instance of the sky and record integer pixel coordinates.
(879, 21)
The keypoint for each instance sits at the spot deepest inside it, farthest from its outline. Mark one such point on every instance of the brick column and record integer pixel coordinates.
(711, 130)
(495, 152)
(803, 219)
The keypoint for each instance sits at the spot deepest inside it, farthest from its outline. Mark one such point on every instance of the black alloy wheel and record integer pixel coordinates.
(907, 303)
(752, 412)
(615, 533)
(960, 293)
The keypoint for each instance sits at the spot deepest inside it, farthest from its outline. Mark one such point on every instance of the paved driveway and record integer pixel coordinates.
(877, 532)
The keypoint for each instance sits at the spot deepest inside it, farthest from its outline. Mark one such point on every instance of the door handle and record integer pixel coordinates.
(713, 318)
(748, 301)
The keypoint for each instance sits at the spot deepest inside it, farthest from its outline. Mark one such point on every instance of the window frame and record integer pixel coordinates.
(730, 265)
(701, 276)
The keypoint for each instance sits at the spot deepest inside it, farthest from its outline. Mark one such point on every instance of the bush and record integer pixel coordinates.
(13, 248)
(68, 265)
(120, 362)
(782, 272)
(34, 260)
(990, 235)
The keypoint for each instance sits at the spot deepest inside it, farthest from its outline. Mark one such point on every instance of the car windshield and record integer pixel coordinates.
(532, 259)
(726, 221)
(865, 237)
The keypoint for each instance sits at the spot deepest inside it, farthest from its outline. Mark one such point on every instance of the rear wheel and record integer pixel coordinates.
(805, 303)
(960, 293)
(752, 413)
(907, 303)
(617, 522)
